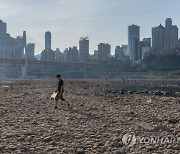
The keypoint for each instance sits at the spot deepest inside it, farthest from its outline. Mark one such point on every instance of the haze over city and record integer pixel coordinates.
(89, 76)
(101, 20)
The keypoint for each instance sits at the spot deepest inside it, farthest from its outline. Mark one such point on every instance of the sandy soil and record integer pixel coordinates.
(95, 123)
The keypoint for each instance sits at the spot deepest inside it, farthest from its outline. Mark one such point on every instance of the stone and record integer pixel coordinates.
(158, 93)
(1, 147)
(21, 138)
(47, 139)
(80, 151)
(116, 144)
(176, 147)
(120, 152)
(37, 112)
(150, 148)
(162, 128)
(173, 121)
(29, 138)
(146, 126)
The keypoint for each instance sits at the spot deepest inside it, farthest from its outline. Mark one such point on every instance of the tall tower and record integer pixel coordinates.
(48, 41)
(165, 39)
(25, 65)
(158, 37)
(3, 28)
(24, 44)
(84, 49)
(47, 53)
(24, 39)
(133, 38)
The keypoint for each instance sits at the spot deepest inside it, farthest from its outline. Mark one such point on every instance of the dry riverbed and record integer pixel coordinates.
(95, 124)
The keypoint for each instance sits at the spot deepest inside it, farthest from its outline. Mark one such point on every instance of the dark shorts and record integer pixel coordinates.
(59, 96)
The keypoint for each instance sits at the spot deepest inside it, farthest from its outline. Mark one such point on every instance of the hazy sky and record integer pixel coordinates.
(101, 20)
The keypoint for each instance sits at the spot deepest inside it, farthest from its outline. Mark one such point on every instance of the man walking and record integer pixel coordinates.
(60, 91)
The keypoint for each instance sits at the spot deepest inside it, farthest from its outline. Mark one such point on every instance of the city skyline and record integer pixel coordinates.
(103, 22)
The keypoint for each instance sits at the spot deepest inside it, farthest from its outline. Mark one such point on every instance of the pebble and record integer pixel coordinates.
(47, 139)
(119, 152)
(162, 128)
(80, 151)
(173, 121)
(116, 144)
(150, 148)
(29, 138)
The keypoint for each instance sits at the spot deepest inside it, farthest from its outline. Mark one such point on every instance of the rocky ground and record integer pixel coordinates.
(95, 123)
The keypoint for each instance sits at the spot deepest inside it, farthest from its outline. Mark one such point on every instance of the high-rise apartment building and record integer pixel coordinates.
(164, 38)
(144, 46)
(6, 47)
(3, 28)
(158, 37)
(119, 53)
(125, 49)
(19, 47)
(47, 53)
(104, 51)
(59, 56)
(170, 35)
(84, 49)
(30, 51)
(48, 41)
(133, 39)
(71, 54)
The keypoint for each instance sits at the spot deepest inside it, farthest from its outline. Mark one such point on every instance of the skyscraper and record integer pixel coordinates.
(125, 49)
(30, 51)
(19, 47)
(59, 56)
(165, 39)
(144, 46)
(104, 51)
(6, 47)
(158, 37)
(173, 37)
(47, 53)
(48, 41)
(170, 35)
(133, 38)
(119, 53)
(84, 49)
(71, 54)
(3, 28)
(147, 42)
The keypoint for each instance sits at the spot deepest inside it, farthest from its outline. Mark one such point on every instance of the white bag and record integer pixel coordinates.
(53, 96)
